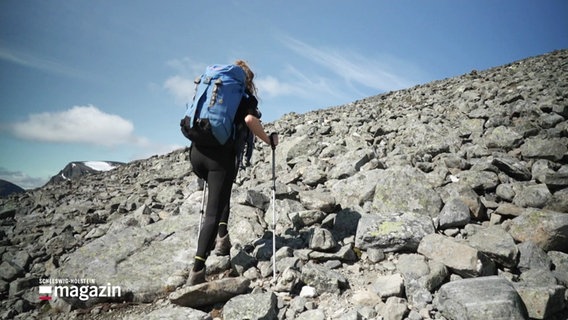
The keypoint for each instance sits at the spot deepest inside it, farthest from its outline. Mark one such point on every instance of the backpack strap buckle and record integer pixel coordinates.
(197, 81)
(218, 83)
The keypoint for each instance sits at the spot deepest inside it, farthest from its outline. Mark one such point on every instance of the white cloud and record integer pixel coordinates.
(271, 86)
(80, 124)
(297, 84)
(26, 59)
(21, 179)
(186, 66)
(354, 68)
(335, 75)
(153, 150)
(181, 88)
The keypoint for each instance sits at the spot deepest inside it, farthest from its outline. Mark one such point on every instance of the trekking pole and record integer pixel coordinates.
(273, 206)
(201, 212)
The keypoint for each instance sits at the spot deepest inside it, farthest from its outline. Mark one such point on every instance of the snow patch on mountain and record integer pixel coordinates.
(77, 169)
(100, 165)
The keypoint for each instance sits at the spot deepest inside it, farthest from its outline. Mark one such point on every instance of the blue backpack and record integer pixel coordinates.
(209, 120)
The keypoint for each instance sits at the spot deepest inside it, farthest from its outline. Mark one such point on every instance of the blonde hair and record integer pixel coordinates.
(249, 76)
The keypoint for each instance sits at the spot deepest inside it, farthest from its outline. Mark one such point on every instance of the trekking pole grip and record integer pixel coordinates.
(273, 140)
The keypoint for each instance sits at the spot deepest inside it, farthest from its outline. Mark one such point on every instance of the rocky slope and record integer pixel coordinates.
(448, 200)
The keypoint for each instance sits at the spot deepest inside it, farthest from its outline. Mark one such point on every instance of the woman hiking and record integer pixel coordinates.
(217, 165)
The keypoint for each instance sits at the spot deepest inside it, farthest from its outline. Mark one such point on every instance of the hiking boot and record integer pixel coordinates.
(196, 277)
(222, 246)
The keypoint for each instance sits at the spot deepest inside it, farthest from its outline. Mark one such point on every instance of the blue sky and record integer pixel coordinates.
(108, 80)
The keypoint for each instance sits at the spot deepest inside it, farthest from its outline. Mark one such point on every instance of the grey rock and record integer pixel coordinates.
(494, 242)
(287, 262)
(536, 196)
(348, 164)
(537, 277)
(393, 232)
(395, 309)
(120, 258)
(420, 272)
(172, 312)
(541, 168)
(306, 218)
(480, 298)
(20, 284)
(403, 189)
(345, 253)
(355, 190)
(551, 149)
(346, 222)
(288, 280)
(459, 257)
(548, 229)
(454, 214)
(509, 210)
(9, 271)
(532, 257)
(480, 181)
(315, 200)
(503, 137)
(375, 255)
(255, 306)
(334, 264)
(555, 180)
(252, 198)
(365, 298)
(312, 315)
(505, 191)
(209, 293)
(281, 209)
(389, 286)
(313, 177)
(468, 196)
(542, 301)
(322, 240)
(558, 202)
(514, 168)
(559, 266)
(245, 224)
(323, 279)
(298, 304)
(20, 259)
(241, 261)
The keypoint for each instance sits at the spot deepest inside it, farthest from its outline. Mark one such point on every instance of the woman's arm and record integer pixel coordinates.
(256, 127)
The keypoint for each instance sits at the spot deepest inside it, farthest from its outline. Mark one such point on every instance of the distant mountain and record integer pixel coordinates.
(76, 169)
(7, 188)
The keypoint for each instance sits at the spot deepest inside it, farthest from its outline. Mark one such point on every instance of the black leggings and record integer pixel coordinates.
(217, 166)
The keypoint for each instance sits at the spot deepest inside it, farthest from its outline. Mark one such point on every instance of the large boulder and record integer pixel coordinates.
(480, 299)
(460, 257)
(393, 232)
(160, 251)
(405, 189)
(548, 229)
(209, 293)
